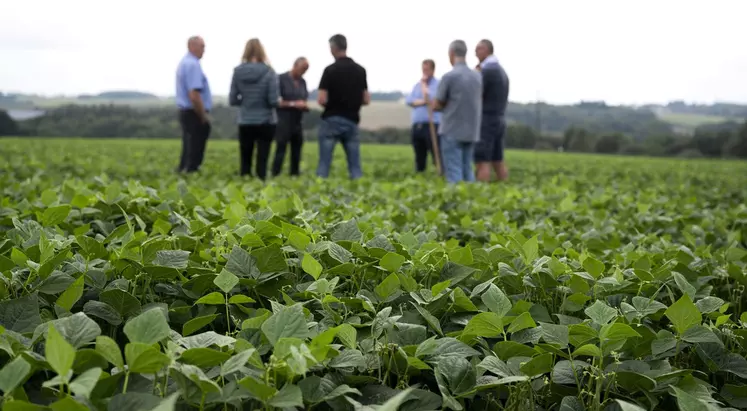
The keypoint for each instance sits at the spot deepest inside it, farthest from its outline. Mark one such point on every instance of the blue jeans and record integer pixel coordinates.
(458, 158)
(332, 130)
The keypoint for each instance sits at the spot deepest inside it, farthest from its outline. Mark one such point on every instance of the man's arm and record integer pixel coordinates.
(366, 94)
(193, 77)
(412, 99)
(323, 87)
(442, 94)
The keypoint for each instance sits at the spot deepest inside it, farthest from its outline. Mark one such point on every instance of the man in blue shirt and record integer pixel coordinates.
(194, 100)
(489, 151)
(422, 92)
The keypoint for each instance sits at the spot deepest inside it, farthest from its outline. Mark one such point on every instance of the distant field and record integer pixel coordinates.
(690, 121)
(380, 114)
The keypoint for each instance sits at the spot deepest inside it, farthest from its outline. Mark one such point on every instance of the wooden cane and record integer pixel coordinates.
(432, 127)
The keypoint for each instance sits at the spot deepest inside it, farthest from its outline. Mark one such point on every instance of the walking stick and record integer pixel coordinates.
(432, 128)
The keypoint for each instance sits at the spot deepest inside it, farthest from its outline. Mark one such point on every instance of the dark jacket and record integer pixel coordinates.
(254, 89)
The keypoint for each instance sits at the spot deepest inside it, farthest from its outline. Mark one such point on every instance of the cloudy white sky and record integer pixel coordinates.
(621, 51)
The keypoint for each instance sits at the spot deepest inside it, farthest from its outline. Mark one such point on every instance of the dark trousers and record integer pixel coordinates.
(195, 134)
(422, 145)
(262, 135)
(296, 143)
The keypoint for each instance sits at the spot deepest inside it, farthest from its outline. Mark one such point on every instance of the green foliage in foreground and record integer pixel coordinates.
(586, 283)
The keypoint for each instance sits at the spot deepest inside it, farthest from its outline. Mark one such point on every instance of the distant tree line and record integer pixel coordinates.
(116, 121)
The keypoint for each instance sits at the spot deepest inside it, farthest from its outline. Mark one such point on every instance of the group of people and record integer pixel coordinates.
(462, 114)
(468, 109)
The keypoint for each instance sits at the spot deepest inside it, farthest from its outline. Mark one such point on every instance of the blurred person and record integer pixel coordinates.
(459, 98)
(343, 89)
(194, 101)
(489, 150)
(418, 99)
(254, 89)
(293, 96)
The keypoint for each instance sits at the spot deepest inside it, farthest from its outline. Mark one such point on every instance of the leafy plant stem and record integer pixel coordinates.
(126, 381)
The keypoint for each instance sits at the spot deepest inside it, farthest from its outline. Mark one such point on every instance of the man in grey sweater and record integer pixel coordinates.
(459, 98)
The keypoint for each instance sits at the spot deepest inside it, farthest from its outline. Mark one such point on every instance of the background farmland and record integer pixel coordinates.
(674, 129)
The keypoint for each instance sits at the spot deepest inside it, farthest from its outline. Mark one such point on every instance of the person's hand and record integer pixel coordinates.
(301, 104)
(205, 119)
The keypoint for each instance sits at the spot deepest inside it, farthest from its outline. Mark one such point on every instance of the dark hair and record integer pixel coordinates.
(430, 63)
(488, 44)
(339, 42)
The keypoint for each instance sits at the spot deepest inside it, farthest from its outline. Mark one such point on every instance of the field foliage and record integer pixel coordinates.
(585, 283)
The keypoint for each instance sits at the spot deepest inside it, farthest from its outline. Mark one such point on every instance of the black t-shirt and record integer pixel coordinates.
(345, 81)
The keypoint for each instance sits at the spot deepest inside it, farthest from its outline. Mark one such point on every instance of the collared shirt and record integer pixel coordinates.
(420, 114)
(189, 76)
(461, 92)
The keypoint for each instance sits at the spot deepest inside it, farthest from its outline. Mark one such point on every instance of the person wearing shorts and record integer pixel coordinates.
(489, 150)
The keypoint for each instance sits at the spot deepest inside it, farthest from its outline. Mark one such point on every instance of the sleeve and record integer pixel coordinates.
(324, 82)
(193, 76)
(282, 91)
(305, 95)
(413, 95)
(442, 94)
(272, 90)
(234, 96)
(365, 79)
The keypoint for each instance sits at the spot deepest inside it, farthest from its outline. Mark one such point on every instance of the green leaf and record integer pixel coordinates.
(195, 324)
(72, 294)
(287, 322)
(148, 328)
(496, 300)
(235, 363)
(55, 215)
(488, 325)
(84, 384)
(346, 231)
(177, 259)
(392, 262)
(21, 314)
(241, 263)
(522, 322)
(144, 359)
(59, 353)
(311, 266)
(683, 314)
(600, 312)
(388, 287)
(109, 349)
(531, 250)
(289, 396)
(13, 374)
(429, 318)
(214, 298)
(124, 302)
(240, 299)
(593, 266)
(226, 281)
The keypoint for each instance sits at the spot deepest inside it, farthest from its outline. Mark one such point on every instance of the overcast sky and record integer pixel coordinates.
(621, 51)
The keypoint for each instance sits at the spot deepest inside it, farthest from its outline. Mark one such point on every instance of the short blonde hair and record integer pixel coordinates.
(254, 51)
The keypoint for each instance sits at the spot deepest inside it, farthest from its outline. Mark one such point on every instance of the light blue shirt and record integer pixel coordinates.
(420, 114)
(189, 76)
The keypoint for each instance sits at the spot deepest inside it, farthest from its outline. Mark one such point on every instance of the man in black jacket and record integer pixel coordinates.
(489, 150)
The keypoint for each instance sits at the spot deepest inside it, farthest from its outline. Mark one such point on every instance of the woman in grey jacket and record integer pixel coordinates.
(254, 89)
